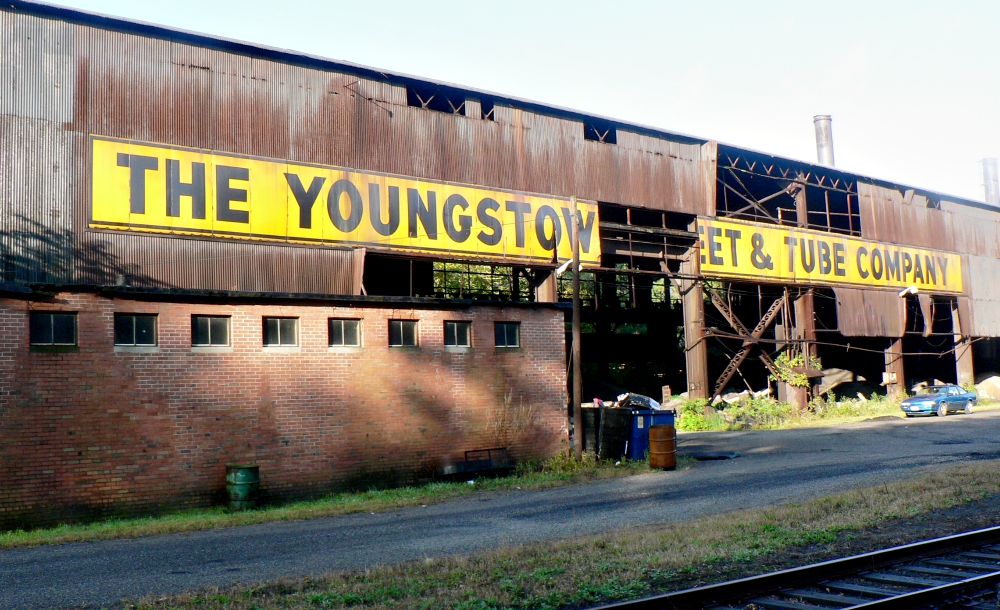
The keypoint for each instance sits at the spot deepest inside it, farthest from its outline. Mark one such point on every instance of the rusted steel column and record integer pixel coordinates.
(804, 330)
(545, 290)
(805, 323)
(963, 352)
(695, 347)
(894, 368)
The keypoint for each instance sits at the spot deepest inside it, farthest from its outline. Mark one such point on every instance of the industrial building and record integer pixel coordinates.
(216, 252)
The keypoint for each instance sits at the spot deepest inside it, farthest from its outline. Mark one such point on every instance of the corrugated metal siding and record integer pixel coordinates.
(37, 76)
(870, 313)
(36, 200)
(169, 262)
(983, 277)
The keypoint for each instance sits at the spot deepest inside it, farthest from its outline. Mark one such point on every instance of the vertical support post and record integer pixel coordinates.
(896, 378)
(963, 351)
(577, 368)
(546, 289)
(801, 203)
(693, 304)
(804, 330)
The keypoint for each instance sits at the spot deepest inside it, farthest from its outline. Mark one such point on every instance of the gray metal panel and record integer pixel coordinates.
(869, 313)
(37, 68)
(36, 203)
(983, 276)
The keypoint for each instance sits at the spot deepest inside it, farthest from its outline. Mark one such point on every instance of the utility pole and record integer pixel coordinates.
(575, 354)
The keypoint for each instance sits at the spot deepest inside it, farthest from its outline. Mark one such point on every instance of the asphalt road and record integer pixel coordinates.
(773, 467)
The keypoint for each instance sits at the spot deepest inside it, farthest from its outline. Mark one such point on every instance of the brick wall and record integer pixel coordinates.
(102, 431)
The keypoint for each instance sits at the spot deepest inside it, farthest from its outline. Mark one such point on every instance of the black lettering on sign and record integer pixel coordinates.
(791, 242)
(757, 256)
(918, 270)
(811, 264)
(838, 259)
(353, 219)
(138, 165)
(714, 246)
(177, 189)
(878, 266)
(825, 262)
(225, 194)
(862, 252)
(586, 228)
(464, 229)
(734, 236)
(892, 270)
(907, 265)
(304, 198)
(426, 213)
(519, 208)
(547, 243)
(943, 266)
(929, 271)
(375, 209)
(489, 221)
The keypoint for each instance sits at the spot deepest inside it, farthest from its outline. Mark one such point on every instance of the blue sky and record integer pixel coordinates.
(913, 87)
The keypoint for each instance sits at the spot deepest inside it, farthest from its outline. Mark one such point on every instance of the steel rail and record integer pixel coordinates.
(710, 596)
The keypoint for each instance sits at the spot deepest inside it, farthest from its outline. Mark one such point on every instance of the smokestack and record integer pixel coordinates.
(824, 139)
(990, 181)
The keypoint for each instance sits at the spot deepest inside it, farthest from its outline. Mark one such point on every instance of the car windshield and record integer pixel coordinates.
(931, 391)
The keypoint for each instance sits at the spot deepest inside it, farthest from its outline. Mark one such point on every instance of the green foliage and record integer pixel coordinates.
(785, 365)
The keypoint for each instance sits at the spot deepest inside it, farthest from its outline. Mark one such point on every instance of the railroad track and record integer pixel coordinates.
(960, 571)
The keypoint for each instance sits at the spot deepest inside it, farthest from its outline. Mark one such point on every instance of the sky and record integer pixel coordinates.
(913, 87)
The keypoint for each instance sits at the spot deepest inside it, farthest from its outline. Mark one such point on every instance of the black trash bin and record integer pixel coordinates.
(615, 426)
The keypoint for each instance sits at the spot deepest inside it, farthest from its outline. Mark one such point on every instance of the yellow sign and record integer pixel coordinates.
(158, 189)
(768, 252)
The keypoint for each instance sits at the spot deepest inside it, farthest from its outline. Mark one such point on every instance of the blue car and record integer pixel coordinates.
(939, 400)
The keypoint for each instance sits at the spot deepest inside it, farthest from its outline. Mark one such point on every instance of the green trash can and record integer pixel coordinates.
(242, 484)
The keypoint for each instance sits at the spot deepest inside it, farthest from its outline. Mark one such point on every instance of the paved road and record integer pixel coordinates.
(774, 467)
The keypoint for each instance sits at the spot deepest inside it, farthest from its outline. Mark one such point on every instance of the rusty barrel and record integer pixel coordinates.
(662, 447)
(242, 485)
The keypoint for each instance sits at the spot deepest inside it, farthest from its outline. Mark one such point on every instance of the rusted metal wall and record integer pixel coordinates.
(870, 313)
(62, 82)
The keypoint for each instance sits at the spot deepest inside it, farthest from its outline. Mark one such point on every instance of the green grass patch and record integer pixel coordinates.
(560, 470)
(623, 564)
(766, 413)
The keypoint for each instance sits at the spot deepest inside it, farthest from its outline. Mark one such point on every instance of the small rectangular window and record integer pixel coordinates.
(52, 328)
(135, 329)
(345, 332)
(402, 333)
(508, 334)
(458, 334)
(281, 331)
(209, 330)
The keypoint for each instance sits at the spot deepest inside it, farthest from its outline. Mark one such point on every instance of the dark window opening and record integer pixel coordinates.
(52, 328)
(484, 282)
(487, 110)
(402, 333)
(458, 334)
(281, 331)
(345, 332)
(507, 334)
(135, 329)
(209, 331)
(438, 99)
(600, 131)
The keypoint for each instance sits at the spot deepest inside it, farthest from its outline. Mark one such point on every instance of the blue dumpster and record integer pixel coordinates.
(638, 437)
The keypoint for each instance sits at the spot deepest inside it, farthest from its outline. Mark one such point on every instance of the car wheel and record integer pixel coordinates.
(942, 409)
(908, 414)
(968, 408)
